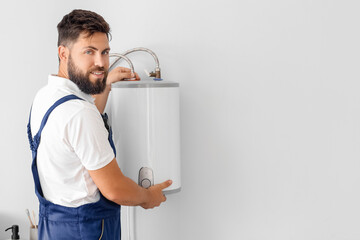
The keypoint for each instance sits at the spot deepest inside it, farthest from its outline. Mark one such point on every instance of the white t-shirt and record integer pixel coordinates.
(73, 141)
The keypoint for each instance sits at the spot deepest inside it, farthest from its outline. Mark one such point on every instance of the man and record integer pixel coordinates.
(77, 179)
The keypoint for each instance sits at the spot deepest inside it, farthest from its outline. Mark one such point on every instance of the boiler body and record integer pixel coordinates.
(145, 120)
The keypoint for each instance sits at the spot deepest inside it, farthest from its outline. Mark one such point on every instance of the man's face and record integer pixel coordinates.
(88, 62)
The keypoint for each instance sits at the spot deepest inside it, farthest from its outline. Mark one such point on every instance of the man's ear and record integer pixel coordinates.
(63, 53)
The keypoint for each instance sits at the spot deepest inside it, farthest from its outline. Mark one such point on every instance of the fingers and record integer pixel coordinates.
(137, 76)
(165, 184)
(121, 73)
(121, 69)
(157, 196)
(128, 70)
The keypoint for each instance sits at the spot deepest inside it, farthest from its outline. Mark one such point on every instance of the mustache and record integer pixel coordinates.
(98, 69)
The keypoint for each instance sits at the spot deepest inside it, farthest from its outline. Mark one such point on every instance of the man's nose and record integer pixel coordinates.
(100, 60)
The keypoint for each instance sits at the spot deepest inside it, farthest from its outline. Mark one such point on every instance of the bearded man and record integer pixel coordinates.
(78, 182)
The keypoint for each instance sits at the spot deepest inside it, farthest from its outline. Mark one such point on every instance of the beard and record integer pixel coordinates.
(83, 80)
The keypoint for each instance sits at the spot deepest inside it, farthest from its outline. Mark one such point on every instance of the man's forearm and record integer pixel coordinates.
(116, 187)
(128, 193)
(101, 99)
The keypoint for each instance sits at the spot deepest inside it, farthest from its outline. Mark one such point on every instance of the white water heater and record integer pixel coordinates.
(145, 120)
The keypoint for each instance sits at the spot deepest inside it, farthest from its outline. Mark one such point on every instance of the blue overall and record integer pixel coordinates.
(99, 220)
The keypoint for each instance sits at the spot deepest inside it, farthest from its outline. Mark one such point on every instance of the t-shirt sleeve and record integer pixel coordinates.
(88, 138)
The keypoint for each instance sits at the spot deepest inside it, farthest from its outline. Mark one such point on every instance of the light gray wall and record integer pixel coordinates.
(270, 111)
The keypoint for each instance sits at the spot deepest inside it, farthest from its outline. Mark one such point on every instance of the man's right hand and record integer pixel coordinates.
(122, 190)
(156, 196)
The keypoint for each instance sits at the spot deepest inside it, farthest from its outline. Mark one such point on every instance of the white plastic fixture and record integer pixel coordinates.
(144, 116)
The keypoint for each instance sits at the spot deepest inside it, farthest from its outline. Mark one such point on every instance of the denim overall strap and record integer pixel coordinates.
(108, 127)
(34, 142)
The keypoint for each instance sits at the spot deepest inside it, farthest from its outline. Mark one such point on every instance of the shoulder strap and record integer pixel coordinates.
(34, 143)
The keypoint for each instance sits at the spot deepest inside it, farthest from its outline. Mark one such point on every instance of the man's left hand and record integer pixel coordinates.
(119, 74)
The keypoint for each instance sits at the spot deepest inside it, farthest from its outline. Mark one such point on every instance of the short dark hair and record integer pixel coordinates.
(80, 21)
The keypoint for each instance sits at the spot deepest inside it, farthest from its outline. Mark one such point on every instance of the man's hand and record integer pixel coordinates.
(119, 74)
(156, 197)
(120, 189)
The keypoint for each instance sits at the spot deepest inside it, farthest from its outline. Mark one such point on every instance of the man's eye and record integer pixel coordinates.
(88, 52)
(106, 52)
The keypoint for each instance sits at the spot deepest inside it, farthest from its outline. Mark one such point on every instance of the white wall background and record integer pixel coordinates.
(270, 111)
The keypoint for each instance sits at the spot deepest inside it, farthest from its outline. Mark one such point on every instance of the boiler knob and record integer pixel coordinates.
(146, 183)
(146, 177)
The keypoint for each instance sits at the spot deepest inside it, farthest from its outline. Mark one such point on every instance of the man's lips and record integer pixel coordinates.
(98, 73)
